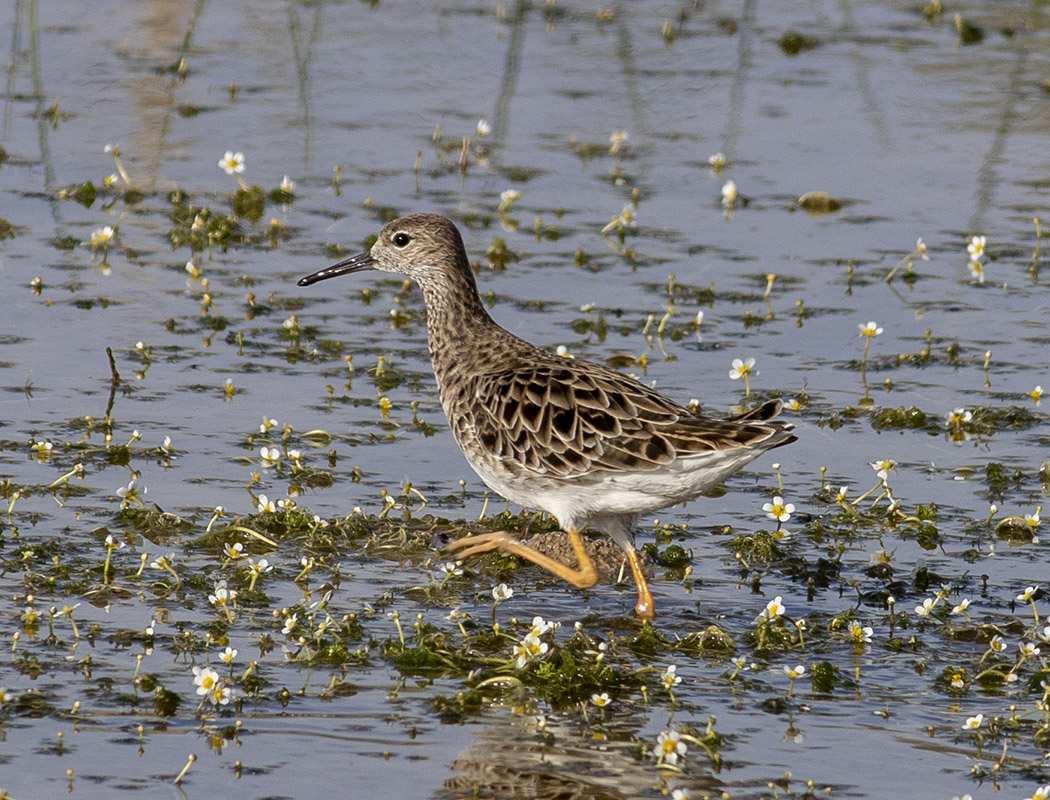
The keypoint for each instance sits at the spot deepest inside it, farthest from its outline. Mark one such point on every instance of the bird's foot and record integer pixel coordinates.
(483, 543)
(582, 577)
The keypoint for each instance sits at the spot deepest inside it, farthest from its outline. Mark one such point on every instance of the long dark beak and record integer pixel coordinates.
(361, 261)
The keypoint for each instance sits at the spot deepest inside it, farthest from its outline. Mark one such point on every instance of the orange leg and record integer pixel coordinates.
(644, 609)
(584, 576)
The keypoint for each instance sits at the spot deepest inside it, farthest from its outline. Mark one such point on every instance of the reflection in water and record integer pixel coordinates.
(513, 758)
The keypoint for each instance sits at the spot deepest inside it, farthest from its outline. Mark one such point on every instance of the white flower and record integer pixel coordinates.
(529, 649)
(973, 723)
(717, 160)
(540, 626)
(451, 569)
(507, 198)
(669, 746)
(205, 678)
(287, 185)
(794, 672)
(502, 592)
(883, 468)
(976, 248)
(962, 606)
(729, 194)
(669, 678)
(1028, 650)
(773, 610)
(859, 633)
(871, 329)
(600, 700)
(221, 694)
(228, 655)
(1027, 594)
(778, 509)
(920, 248)
(742, 368)
(223, 595)
(270, 455)
(233, 551)
(266, 504)
(926, 607)
(232, 163)
(102, 236)
(484, 129)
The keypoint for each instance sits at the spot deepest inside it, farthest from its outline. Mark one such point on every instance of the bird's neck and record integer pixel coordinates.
(458, 324)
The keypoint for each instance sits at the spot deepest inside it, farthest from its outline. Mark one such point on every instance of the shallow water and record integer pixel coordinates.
(918, 133)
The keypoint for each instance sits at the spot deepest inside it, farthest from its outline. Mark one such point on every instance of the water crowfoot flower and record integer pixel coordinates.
(115, 152)
(774, 610)
(793, 673)
(506, 200)
(620, 224)
(729, 196)
(601, 700)
(858, 634)
(271, 456)
(883, 468)
(233, 551)
(1028, 596)
(779, 510)
(956, 418)
(450, 570)
(257, 569)
(669, 678)
(233, 164)
(529, 649)
(669, 747)
(130, 494)
(926, 607)
(101, 238)
(743, 369)
(164, 562)
(868, 332)
(205, 679)
(973, 723)
(960, 608)
(111, 545)
(918, 252)
(976, 247)
(1033, 519)
(223, 598)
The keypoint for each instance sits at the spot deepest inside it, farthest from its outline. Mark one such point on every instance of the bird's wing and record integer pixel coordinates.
(564, 421)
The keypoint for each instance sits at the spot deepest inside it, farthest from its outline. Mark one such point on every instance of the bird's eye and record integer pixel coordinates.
(401, 239)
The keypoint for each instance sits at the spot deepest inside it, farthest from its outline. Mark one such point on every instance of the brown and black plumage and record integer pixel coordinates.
(591, 446)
